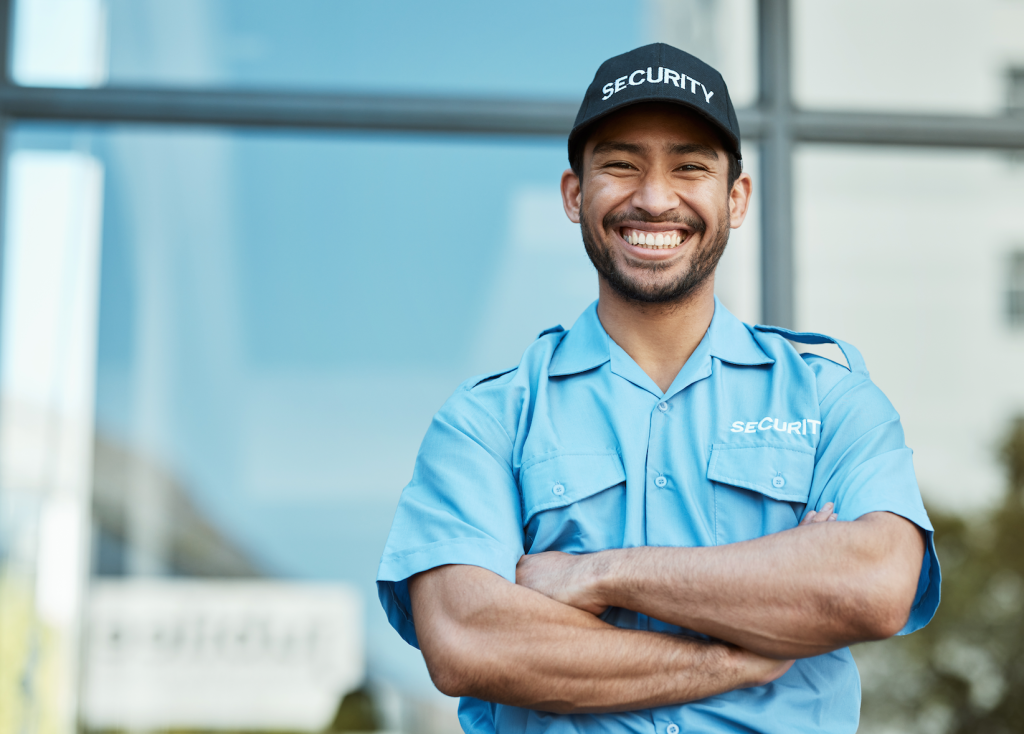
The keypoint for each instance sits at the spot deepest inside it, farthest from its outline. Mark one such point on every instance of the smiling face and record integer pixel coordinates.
(654, 204)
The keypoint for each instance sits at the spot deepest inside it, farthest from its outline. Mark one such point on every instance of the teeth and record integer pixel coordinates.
(661, 241)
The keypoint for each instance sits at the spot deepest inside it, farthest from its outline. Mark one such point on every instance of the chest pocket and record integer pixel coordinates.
(574, 503)
(758, 489)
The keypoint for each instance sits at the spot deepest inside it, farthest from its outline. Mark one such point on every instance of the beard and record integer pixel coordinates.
(632, 285)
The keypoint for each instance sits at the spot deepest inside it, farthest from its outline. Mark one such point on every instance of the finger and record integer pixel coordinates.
(834, 517)
(824, 513)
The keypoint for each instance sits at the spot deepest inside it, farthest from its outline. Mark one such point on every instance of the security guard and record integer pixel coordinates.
(663, 520)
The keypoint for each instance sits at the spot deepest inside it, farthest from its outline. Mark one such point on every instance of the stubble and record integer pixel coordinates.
(629, 281)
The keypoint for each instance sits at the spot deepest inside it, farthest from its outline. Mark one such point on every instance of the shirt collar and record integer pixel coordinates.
(732, 340)
(587, 345)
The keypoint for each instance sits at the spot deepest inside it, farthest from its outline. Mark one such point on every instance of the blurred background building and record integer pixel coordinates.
(250, 246)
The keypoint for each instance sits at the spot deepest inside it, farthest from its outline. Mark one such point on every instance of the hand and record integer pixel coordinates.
(566, 578)
(757, 670)
(825, 515)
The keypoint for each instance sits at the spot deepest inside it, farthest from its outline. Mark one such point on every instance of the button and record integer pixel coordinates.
(558, 489)
(778, 482)
(672, 729)
(663, 406)
(660, 481)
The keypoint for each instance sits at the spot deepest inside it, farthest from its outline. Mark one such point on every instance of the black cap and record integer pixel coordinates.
(658, 73)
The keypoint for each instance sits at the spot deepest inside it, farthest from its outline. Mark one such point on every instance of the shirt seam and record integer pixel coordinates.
(401, 555)
(849, 448)
(863, 378)
(511, 443)
(552, 455)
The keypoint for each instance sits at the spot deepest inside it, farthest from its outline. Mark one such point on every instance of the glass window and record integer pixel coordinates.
(529, 49)
(903, 253)
(279, 317)
(910, 56)
(247, 333)
(532, 48)
(47, 376)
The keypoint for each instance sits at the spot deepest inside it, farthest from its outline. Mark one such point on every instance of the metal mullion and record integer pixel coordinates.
(483, 116)
(6, 26)
(777, 266)
(270, 109)
(942, 131)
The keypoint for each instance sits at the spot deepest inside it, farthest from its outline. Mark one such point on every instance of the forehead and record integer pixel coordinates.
(657, 125)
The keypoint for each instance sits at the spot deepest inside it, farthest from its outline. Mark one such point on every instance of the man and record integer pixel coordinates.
(609, 536)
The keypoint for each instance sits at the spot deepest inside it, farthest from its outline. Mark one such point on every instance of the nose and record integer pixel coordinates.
(655, 194)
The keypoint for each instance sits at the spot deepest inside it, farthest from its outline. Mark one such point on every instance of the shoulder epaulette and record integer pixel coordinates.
(480, 379)
(855, 362)
(551, 330)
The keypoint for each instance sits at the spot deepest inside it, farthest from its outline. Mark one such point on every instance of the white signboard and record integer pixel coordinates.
(165, 654)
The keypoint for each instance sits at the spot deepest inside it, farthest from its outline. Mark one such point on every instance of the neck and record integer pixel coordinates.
(660, 337)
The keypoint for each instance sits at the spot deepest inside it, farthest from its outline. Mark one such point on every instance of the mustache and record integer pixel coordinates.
(615, 219)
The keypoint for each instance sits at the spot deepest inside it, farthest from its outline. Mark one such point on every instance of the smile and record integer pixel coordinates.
(655, 240)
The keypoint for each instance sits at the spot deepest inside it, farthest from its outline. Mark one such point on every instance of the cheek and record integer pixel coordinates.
(711, 209)
(601, 200)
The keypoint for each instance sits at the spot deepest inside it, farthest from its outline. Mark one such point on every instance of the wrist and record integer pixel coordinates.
(600, 574)
(750, 669)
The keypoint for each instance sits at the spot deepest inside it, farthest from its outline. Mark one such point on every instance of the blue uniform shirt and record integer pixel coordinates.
(578, 450)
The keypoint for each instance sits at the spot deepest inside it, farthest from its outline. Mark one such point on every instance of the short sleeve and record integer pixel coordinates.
(863, 465)
(461, 507)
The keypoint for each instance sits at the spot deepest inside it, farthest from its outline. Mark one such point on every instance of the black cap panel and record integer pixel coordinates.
(659, 73)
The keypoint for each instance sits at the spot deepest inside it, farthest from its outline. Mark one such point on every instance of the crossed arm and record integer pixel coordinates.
(538, 643)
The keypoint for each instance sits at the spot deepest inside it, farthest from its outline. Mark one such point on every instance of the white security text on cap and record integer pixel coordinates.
(665, 76)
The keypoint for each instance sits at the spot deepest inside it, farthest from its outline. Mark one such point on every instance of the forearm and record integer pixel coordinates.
(484, 637)
(798, 593)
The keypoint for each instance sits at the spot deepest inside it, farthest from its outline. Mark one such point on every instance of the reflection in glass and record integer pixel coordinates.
(526, 49)
(910, 56)
(529, 48)
(59, 43)
(279, 317)
(47, 380)
(904, 253)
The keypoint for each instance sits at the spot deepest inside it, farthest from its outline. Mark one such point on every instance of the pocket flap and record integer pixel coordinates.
(566, 478)
(777, 472)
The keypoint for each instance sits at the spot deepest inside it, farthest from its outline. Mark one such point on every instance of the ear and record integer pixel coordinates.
(572, 195)
(739, 199)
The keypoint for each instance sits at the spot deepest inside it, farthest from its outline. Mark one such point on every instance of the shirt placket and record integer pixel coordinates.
(658, 475)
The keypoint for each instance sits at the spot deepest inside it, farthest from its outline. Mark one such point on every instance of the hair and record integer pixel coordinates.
(576, 159)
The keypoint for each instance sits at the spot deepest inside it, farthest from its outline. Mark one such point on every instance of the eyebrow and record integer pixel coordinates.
(694, 148)
(610, 146)
(700, 149)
